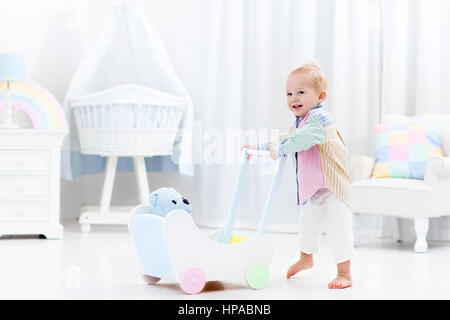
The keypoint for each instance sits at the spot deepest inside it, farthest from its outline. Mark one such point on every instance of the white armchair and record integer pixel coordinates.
(406, 198)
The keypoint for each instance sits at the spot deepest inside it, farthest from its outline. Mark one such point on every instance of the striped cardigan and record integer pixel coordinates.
(320, 154)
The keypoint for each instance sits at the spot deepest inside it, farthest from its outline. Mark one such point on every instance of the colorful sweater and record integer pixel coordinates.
(320, 155)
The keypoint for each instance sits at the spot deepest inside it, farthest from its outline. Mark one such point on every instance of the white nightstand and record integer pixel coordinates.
(30, 182)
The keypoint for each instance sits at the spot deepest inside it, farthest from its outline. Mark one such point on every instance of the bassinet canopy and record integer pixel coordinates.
(128, 65)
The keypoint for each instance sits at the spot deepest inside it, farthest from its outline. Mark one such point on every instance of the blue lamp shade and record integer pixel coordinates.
(12, 67)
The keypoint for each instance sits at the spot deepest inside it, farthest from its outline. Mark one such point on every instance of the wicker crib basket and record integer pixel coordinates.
(129, 120)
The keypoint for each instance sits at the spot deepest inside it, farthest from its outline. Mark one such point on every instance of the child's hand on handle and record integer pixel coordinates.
(273, 155)
(250, 147)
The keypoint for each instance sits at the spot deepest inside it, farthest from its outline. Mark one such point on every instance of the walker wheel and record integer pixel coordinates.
(150, 279)
(258, 276)
(193, 280)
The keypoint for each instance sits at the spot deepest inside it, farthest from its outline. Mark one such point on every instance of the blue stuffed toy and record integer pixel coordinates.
(164, 200)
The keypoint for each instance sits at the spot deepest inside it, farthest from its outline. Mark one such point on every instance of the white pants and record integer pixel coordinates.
(324, 212)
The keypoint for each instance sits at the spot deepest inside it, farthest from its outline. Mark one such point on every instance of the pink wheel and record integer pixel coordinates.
(193, 281)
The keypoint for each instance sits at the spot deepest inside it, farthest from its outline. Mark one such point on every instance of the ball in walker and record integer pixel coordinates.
(164, 200)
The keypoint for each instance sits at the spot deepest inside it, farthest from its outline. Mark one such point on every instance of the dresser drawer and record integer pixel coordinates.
(23, 211)
(23, 162)
(24, 185)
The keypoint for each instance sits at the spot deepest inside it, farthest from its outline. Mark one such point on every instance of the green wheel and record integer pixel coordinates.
(258, 276)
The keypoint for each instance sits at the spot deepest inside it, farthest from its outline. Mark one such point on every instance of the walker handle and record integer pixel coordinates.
(227, 232)
(258, 153)
(273, 190)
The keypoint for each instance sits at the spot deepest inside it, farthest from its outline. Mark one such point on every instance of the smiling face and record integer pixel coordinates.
(301, 93)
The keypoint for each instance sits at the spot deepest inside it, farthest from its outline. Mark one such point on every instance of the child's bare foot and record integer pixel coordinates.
(341, 281)
(305, 262)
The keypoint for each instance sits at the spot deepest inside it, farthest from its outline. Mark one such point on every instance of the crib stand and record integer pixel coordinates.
(117, 215)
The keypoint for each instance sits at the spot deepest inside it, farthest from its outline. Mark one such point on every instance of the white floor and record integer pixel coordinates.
(102, 264)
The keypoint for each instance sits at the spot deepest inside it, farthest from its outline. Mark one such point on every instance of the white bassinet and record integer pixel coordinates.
(129, 120)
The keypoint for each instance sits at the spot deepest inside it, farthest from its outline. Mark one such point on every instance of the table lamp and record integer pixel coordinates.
(12, 68)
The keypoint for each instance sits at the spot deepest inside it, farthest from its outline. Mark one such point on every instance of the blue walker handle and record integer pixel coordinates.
(274, 187)
(227, 232)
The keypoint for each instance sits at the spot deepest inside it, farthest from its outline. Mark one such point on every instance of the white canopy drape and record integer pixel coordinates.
(127, 51)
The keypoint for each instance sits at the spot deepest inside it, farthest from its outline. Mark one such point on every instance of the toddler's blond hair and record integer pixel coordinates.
(314, 70)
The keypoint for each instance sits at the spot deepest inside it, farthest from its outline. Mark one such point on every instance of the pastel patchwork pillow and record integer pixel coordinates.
(402, 151)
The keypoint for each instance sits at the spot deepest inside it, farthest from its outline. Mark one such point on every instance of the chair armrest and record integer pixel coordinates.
(437, 175)
(436, 170)
(361, 167)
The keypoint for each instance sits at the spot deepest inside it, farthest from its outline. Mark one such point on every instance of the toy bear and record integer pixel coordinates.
(164, 200)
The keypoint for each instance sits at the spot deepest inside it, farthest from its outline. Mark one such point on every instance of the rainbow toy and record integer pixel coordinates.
(38, 103)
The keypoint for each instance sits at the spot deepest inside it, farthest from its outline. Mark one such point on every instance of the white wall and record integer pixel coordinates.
(54, 35)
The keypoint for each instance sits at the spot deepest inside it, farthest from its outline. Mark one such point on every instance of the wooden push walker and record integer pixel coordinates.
(173, 248)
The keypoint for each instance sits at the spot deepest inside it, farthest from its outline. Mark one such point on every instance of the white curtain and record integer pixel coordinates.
(248, 48)
(379, 56)
(416, 56)
(416, 73)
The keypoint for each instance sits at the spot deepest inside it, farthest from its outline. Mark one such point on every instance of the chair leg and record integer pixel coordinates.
(421, 227)
(395, 229)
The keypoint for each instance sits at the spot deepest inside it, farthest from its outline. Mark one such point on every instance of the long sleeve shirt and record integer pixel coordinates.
(320, 155)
